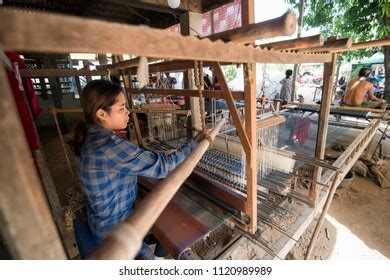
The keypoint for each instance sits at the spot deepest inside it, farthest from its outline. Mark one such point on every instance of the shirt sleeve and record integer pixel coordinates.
(127, 158)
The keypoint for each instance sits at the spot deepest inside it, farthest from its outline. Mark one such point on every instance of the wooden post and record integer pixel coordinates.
(322, 130)
(232, 108)
(296, 66)
(55, 89)
(129, 97)
(329, 199)
(248, 17)
(191, 24)
(27, 225)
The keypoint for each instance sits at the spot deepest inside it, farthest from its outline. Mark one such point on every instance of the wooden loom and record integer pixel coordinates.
(92, 30)
(142, 43)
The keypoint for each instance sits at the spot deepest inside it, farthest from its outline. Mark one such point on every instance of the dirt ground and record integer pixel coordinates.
(357, 225)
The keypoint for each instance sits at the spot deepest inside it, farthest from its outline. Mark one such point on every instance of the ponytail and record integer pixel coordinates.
(80, 134)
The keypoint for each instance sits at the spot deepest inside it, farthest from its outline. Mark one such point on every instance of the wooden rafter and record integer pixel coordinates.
(331, 45)
(56, 33)
(294, 44)
(281, 26)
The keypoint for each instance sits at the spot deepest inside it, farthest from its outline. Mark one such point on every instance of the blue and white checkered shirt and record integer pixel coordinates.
(108, 168)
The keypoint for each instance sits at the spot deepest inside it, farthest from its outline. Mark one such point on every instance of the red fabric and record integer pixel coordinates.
(23, 108)
(301, 130)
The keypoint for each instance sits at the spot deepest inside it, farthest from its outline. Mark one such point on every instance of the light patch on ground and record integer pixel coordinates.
(349, 246)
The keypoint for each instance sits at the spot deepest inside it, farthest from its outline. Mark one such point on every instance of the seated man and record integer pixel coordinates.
(355, 94)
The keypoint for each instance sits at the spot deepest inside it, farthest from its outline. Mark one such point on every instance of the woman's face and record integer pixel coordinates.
(118, 117)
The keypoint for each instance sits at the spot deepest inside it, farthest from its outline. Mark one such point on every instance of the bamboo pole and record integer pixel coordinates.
(124, 241)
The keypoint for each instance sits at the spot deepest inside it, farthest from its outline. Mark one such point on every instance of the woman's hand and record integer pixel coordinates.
(204, 134)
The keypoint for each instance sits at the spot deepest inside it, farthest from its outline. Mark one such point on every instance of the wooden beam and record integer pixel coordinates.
(368, 44)
(177, 66)
(159, 111)
(274, 120)
(247, 18)
(299, 43)
(281, 26)
(217, 94)
(322, 130)
(120, 65)
(55, 72)
(161, 5)
(27, 224)
(42, 32)
(232, 107)
(344, 108)
(331, 45)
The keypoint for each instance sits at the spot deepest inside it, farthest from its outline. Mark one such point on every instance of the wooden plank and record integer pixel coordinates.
(42, 32)
(232, 107)
(284, 25)
(322, 130)
(217, 94)
(299, 43)
(247, 18)
(27, 225)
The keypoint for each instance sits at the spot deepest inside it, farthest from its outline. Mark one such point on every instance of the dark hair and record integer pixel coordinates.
(364, 72)
(97, 94)
(288, 73)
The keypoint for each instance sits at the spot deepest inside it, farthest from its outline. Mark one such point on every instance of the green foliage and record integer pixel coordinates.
(230, 72)
(362, 20)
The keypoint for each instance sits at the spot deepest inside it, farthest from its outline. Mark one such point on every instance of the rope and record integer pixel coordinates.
(199, 83)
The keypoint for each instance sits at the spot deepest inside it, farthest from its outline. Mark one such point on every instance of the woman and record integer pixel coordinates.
(108, 166)
(285, 91)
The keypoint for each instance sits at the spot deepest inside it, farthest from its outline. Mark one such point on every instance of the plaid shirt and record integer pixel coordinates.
(108, 168)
